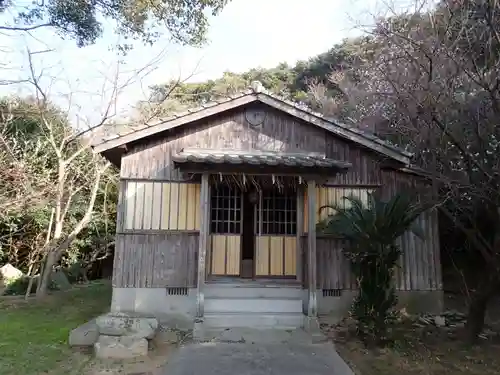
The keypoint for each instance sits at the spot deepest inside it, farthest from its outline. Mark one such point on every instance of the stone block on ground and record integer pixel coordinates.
(61, 280)
(119, 324)
(85, 335)
(167, 336)
(9, 274)
(120, 347)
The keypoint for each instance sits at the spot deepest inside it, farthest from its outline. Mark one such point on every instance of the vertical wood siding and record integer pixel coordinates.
(225, 255)
(230, 130)
(276, 256)
(419, 268)
(155, 261)
(161, 206)
(334, 196)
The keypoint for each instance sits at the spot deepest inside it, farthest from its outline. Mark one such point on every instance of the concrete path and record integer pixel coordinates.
(257, 357)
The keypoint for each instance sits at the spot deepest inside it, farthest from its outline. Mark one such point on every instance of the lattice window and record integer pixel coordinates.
(225, 210)
(278, 214)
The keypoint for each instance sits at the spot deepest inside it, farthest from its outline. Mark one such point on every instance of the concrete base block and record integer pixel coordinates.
(415, 302)
(122, 324)
(85, 335)
(154, 302)
(124, 347)
(311, 326)
(418, 302)
(199, 331)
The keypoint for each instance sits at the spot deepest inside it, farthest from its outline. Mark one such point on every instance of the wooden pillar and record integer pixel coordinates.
(203, 244)
(300, 232)
(312, 309)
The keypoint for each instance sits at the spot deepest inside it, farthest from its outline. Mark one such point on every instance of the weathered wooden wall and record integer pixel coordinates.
(419, 267)
(157, 234)
(328, 195)
(155, 261)
(276, 256)
(279, 132)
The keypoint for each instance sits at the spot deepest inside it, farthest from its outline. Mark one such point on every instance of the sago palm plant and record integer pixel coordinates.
(371, 232)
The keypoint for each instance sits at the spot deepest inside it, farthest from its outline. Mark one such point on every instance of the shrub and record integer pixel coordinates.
(372, 231)
(19, 287)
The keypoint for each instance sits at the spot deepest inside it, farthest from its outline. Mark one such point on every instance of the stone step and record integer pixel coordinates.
(254, 320)
(245, 291)
(253, 305)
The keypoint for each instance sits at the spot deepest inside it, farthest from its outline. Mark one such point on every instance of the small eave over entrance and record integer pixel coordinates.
(258, 163)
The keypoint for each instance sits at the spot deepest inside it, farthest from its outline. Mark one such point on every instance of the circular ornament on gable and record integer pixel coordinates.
(254, 116)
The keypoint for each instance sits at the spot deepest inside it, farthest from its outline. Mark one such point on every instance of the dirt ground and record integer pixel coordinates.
(423, 349)
(151, 365)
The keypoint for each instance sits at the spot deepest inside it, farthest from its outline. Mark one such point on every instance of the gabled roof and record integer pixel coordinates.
(257, 94)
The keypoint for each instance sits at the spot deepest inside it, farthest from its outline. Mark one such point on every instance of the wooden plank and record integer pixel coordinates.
(436, 245)
(306, 212)
(424, 249)
(116, 279)
(193, 260)
(409, 256)
(157, 206)
(312, 310)
(300, 232)
(165, 210)
(290, 256)
(233, 255)
(203, 244)
(191, 204)
(148, 205)
(429, 239)
(218, 254)
(262, 256)
(121, 207)
(323, 200)
(174, 206)
(198, 208)
(130, 204)
(276, 249)
(139, 206)
(316, 205)
(183, 206)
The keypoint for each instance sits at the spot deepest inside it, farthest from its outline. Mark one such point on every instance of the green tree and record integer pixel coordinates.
(185, 20)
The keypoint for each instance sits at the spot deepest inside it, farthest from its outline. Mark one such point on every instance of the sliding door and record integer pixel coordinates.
(226, 229)
(276, 230)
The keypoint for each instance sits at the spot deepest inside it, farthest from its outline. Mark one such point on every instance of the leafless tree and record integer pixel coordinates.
(69, 177)
(433, 85)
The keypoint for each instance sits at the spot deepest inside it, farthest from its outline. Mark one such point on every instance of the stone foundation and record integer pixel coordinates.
(178, 311)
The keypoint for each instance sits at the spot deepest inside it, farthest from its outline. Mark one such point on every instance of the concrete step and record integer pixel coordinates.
(253, 305)
(240, 291)
(254, 320)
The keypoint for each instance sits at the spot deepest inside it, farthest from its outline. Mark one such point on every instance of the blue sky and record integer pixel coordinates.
(247, 34)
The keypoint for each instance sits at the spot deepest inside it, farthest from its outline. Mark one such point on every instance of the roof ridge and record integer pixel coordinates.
(331, 119)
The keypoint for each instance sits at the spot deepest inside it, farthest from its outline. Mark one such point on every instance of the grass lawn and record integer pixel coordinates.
(422, 351)
(34, 334)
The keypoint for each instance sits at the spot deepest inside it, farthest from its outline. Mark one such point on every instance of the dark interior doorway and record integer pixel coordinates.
(248, 237)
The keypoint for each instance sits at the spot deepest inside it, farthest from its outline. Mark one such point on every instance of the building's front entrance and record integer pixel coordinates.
(253, 232)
